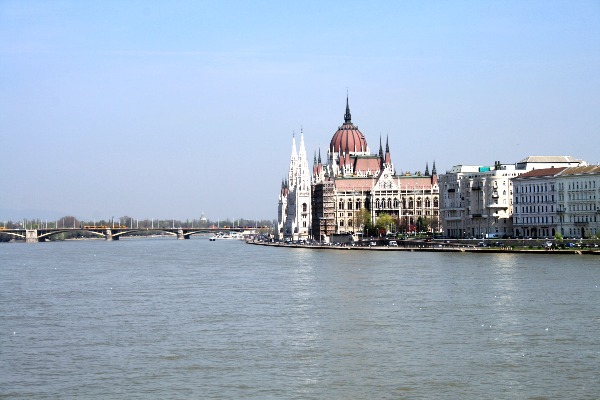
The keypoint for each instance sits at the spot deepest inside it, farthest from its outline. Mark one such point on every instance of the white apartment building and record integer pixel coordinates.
(477, 201)
(565, 200)
(535, 203)
(579, 201)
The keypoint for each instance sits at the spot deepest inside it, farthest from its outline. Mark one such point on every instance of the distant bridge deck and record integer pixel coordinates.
(109, 232)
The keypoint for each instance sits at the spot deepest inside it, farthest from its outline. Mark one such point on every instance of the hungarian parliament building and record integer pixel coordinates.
(334, 196)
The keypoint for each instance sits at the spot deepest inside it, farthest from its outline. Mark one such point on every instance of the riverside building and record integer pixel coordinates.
(565, 200)
(477, 201)
(349, 183)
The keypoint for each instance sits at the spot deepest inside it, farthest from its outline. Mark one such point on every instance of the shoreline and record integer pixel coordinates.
(439, 249)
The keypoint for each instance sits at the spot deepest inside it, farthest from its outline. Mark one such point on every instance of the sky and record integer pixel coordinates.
(171, 109)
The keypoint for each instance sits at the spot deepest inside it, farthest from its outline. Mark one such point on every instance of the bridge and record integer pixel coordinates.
(109, 233)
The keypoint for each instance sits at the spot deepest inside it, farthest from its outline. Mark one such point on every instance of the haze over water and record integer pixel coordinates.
(166, 318)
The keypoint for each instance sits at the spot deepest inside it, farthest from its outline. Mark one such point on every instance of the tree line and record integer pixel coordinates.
(387, 223)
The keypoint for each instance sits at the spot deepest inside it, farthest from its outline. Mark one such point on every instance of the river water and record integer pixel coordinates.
(166, 318)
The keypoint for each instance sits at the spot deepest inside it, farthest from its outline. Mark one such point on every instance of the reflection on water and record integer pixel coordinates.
(199, 319)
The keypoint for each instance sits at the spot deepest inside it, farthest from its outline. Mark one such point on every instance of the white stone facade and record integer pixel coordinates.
(579, 201)
(565, 200)
(477, 201)
(294, 207)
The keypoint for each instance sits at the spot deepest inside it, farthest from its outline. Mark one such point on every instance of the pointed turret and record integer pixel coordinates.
(434, 177)
(426, 168)
(388, 157)
(347, 116)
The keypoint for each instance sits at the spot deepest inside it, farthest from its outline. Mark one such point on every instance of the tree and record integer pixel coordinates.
(403, 225)
(363, 219)
(558, 237)
(384, 222)
(422, 224)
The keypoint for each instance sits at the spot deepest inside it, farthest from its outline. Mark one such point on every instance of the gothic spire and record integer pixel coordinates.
(433, 171)
(347, 117)
(427, 169)
(380, 148)
(388, 158)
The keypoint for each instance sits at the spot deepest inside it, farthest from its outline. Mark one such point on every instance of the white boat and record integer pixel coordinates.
(226, 236)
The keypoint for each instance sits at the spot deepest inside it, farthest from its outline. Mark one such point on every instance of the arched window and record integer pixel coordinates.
(349, 204)
(435, 202)
(389, 203)
(377, 203)
(396, 203)
(427, 202)
(341, 205)
(419, 202)
(410, 203)
(358, 204)
(304, 207)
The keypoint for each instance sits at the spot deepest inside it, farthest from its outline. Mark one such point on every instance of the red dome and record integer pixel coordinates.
(348, 139)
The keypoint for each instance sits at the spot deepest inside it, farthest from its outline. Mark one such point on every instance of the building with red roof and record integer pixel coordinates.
(352, 181)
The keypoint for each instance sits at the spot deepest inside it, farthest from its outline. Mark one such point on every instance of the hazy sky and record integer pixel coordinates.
(167, 109)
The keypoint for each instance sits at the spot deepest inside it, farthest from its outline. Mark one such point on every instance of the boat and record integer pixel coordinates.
(226, 236)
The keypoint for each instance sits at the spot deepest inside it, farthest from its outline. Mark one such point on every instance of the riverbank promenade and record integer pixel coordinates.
(434, 246)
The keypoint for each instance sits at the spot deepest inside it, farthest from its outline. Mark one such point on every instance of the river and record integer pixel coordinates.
(181, 319)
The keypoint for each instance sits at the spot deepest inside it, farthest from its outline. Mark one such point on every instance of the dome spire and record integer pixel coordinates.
(347, 116)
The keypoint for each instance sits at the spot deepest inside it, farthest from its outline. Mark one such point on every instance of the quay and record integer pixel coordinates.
(430, 247)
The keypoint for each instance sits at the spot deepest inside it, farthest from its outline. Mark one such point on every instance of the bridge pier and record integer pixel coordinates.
(31, 236)
(110, 236)
(181, 235)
